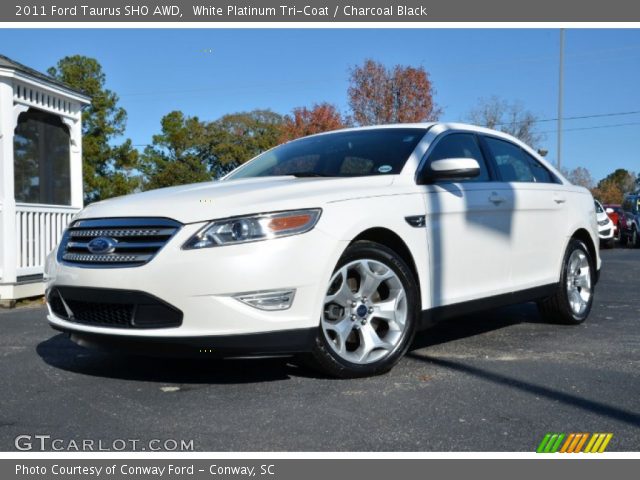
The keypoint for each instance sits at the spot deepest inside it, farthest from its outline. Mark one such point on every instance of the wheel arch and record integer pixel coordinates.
(392, 240)
(583, 235)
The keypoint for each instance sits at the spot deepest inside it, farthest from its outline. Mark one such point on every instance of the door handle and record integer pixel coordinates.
(559, 199)
(497, 199)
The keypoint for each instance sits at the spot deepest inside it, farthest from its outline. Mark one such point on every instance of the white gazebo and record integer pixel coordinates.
(40, 173)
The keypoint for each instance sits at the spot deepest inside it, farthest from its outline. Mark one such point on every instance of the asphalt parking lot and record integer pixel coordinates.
(497, 381)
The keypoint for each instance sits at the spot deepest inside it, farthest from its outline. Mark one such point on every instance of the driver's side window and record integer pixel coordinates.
(461, 145)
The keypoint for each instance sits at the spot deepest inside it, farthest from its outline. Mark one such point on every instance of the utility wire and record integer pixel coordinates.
(597, 127)
(577, 117)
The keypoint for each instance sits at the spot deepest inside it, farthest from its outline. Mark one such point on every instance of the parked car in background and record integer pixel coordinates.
(605, 226)
(615, 214)
(630, 233)
(339, 246)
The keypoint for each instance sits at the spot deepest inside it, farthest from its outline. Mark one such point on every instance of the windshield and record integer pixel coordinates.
(599, 208)
(341, 154)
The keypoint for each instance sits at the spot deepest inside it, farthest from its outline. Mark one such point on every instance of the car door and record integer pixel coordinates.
(539, 216)
(468, 226)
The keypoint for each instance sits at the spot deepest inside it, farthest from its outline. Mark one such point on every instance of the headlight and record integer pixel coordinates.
(602, 223)
(253, 228)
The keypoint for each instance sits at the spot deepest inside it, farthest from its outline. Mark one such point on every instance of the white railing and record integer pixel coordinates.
(38, 230)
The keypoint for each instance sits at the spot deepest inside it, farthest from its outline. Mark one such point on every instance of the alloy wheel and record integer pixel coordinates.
(365, 311)
(578, 281)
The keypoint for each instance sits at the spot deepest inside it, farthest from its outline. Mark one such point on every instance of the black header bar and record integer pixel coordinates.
(326, 11)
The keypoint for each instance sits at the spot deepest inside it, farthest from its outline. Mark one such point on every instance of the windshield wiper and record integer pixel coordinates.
(308, 174)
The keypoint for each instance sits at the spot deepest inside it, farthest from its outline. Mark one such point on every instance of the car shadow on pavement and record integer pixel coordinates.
(571, 400)
(476, 324)
(60, 352)
(480, 323)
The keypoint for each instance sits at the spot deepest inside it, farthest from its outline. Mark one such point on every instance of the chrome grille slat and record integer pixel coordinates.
(111, 258)
(121, 245)
(134, 241)
(123, 232)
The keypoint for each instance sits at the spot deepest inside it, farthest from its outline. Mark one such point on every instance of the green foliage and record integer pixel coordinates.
(238, 137)
(178, 155)
(188, 150)
(623, 179)
(108, 169)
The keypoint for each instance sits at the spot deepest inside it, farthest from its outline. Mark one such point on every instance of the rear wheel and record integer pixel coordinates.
(369, 313)
(634, 241)
(573, 300)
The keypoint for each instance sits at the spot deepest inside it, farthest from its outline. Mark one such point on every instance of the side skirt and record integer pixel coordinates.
(437, 314)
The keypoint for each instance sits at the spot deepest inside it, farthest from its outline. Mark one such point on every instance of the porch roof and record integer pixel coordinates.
(7, 63)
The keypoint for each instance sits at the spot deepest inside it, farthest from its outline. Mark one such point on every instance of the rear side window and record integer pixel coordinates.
(540, 173)
(461, 145)
(516, 165)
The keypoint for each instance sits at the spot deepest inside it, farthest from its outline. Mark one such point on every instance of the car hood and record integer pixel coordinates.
(210, 200)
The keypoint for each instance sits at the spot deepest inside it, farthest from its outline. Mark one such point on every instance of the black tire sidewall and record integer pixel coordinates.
(373, 251)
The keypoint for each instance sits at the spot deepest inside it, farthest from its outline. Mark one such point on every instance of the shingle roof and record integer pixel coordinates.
(6, 62)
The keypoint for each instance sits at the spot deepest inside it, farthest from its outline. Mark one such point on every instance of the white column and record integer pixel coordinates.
(75, 154)
(8, 243)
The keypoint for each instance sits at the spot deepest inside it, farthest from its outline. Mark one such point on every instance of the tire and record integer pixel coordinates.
(362, 335)
(572, 302)
(622, 239)
(634, 241)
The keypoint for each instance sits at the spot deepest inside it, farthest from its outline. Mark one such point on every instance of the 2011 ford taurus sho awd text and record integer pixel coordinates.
(338, 246)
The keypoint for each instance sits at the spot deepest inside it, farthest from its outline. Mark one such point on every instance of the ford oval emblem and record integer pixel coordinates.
(102, 245)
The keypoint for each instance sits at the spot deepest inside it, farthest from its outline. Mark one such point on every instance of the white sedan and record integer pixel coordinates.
(606, 228)
(339, 246)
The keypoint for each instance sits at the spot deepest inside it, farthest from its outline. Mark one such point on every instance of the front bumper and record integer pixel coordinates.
(606, 233)
(201, 285)
(286, 342)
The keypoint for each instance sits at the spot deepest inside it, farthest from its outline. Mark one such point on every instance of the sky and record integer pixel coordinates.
(211, 72)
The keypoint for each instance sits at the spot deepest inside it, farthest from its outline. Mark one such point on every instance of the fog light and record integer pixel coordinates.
(268, 300)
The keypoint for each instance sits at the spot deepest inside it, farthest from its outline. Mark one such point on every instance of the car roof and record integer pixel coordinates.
(425, 126)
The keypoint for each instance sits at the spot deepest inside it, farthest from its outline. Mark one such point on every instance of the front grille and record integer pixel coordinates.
(108, 314)
(112, 308)
(115, 242)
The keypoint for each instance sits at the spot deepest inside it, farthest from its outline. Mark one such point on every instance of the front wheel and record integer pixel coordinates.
(573, 299)
(369, 314)
(635, 238)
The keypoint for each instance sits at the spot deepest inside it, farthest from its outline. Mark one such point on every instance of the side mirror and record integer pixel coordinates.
(609, 210)
(450, 169)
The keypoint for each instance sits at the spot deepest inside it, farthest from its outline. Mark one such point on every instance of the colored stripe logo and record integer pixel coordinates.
(574, 443)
